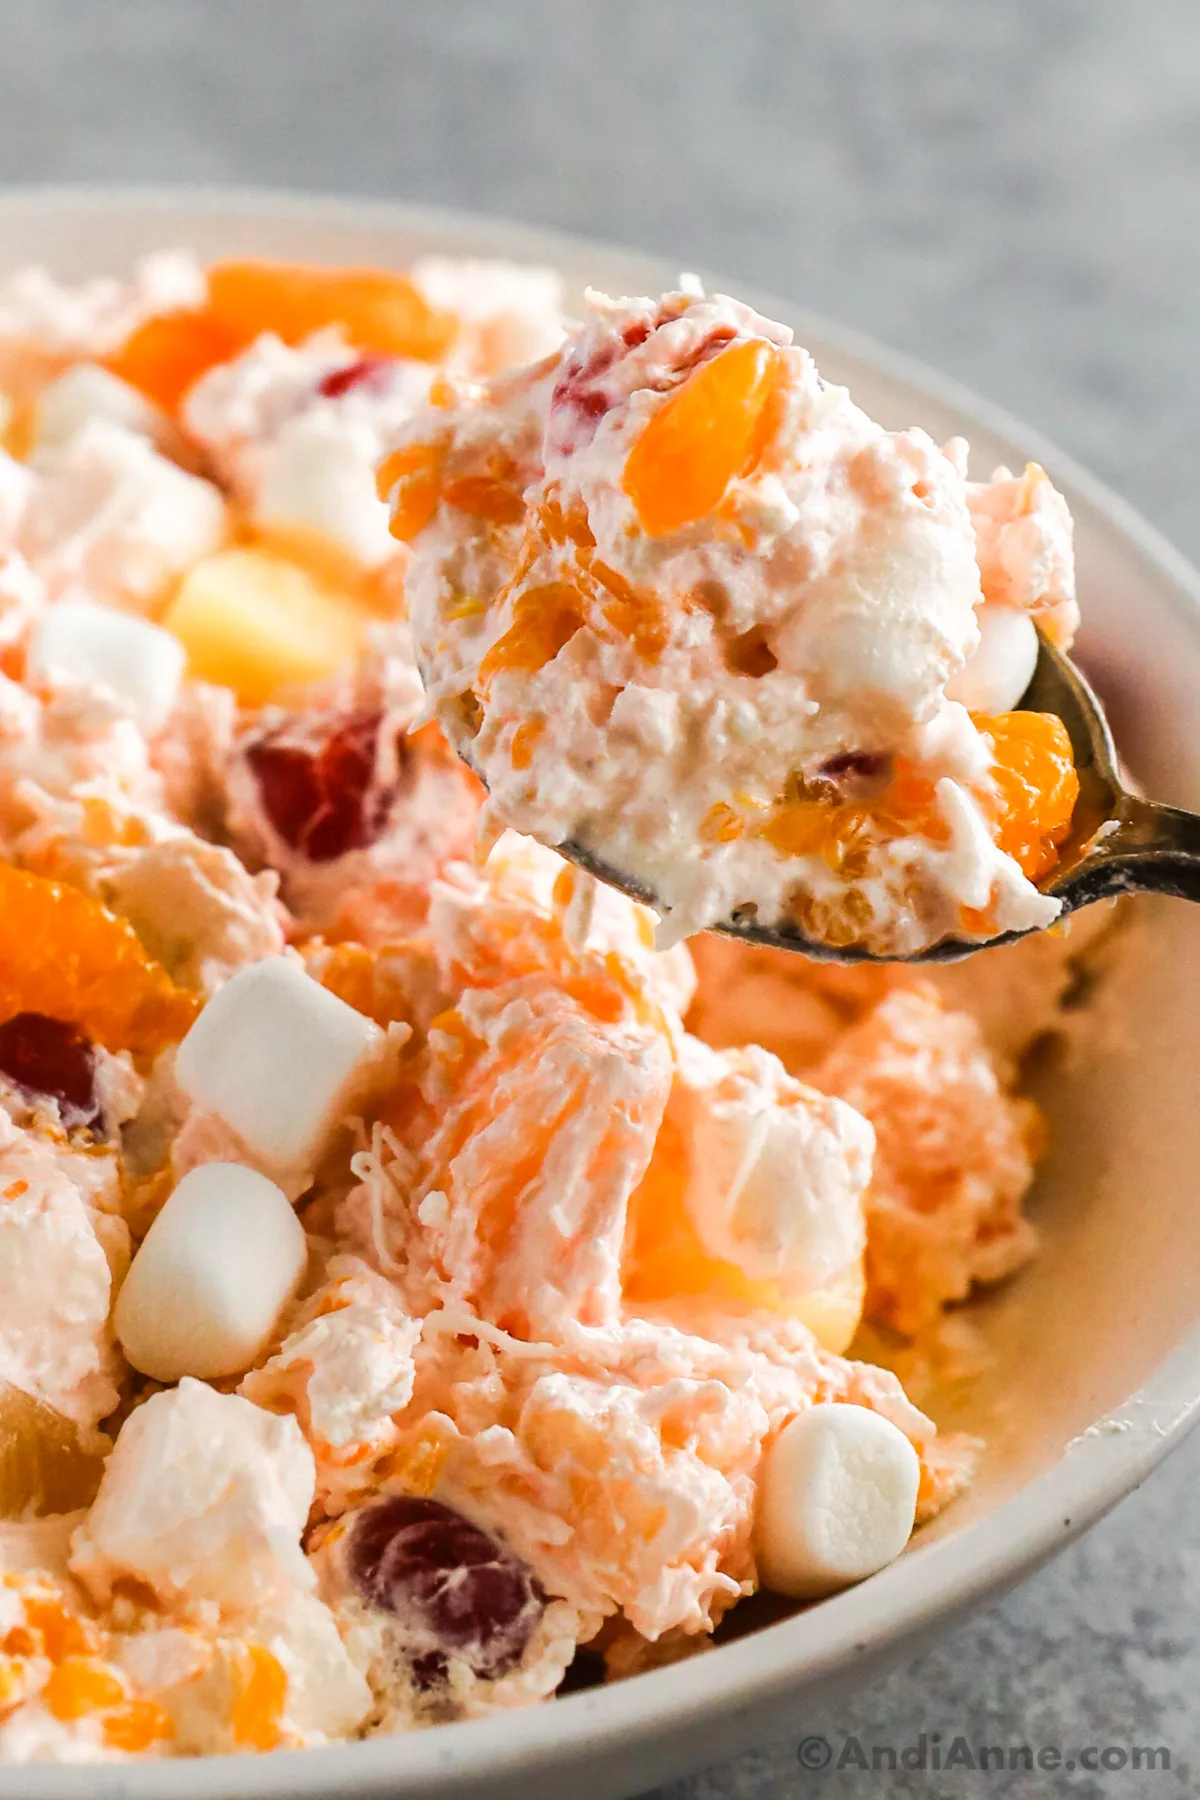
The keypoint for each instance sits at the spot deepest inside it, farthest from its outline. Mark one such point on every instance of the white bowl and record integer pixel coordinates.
(1100, 1370)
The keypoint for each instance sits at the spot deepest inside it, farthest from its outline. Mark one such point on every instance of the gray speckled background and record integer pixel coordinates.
(1010, 191)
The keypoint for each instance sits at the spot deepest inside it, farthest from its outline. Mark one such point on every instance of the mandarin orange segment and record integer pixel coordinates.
(700, 439)
(259, 1700)
(169, 352)
(63, 954)
(61, 1633)
(349, 971)
(544, 619)
(639, 617)
(81, 1685)
(721, 824)
(383, 984)
(381, 312)
(1036, 786)
(417, 1465)
(525, 741)
(415, 472)
(485, 497)
(797, 828)
(494, 1153)
(563, 527)
(909, 804)
(804, 823)
(13, 1682)
(136, 1725)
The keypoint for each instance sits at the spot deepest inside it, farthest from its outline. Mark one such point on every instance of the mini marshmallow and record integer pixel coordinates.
(837, 1497)
(140, 663)
(109, 513)
(280, 1060)
(86, 391)
(203, 1497)
(319, 475)
(214, 1272)
(997, 673)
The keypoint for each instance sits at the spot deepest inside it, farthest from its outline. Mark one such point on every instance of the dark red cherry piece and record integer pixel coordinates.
(585, 391)
(316, 777)
(454, 1589)
(370, 372)
(857, 774)
(867, 764)
(44, 1056)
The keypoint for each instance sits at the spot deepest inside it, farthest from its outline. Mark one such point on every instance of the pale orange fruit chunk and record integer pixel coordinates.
(257, 623)
(65, 955)
(700, 438)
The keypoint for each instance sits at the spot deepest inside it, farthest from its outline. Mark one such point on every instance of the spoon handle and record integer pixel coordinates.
(1150, 849)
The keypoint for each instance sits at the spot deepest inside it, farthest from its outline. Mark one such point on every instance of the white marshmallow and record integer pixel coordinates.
(111, 514)
(997, 673)
(837, 1497)
(86, 391)
(319, 474)
(280, 1059)
(204, 1497)
(140, 663)
(215, 1271)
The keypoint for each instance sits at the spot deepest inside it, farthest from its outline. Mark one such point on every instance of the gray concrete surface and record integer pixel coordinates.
(1010, 191)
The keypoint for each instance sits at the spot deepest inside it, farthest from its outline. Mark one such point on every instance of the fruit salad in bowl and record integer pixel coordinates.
(429, 1281)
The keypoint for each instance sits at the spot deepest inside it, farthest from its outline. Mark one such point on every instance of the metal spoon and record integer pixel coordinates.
(1118, 843)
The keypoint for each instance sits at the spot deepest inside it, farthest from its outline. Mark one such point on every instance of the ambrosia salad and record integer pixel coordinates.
(423, 1274)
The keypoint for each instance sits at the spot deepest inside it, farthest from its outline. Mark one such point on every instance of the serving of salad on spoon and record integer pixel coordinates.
(703, 626)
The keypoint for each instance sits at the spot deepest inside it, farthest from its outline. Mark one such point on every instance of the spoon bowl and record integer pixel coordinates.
(1118, 843)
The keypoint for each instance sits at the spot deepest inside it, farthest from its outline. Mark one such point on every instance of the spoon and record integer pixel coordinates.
(1118, 843)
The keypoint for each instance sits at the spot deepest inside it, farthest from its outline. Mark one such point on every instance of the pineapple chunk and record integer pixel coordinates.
(44, 1466)
(259, 624)
(832, 1313)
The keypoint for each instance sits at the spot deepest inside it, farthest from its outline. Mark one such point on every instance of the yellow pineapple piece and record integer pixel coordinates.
(44, 1468)
(260, 624)
(832, 1313)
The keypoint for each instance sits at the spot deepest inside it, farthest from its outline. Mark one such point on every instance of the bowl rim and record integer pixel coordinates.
(930, 1584)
